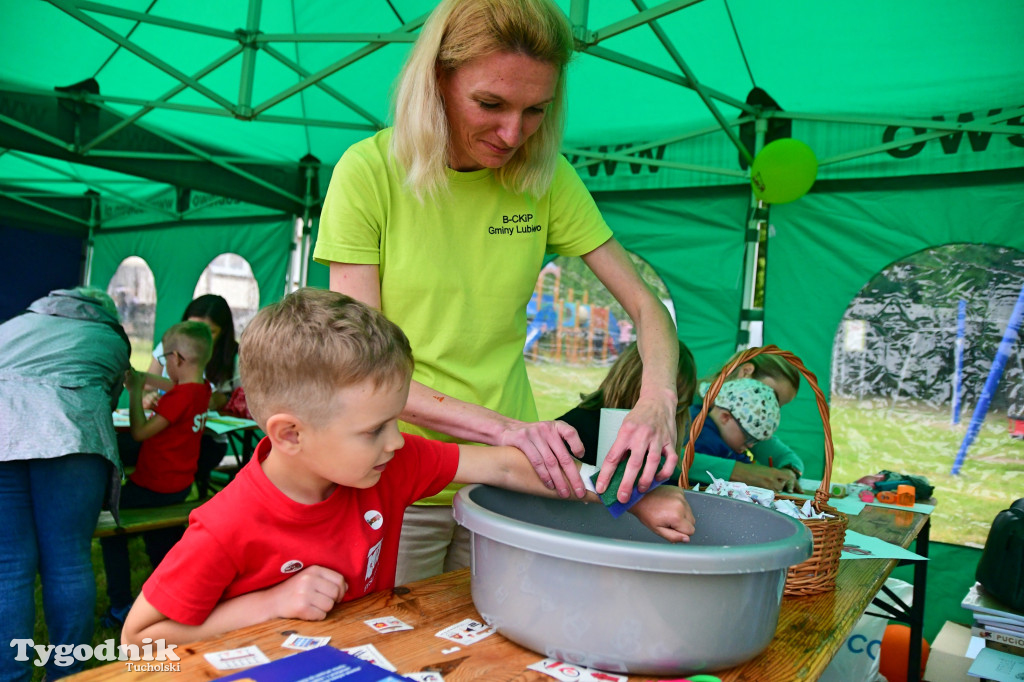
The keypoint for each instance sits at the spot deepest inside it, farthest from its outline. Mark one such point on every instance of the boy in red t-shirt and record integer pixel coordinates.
(315, 517)
(168, 456)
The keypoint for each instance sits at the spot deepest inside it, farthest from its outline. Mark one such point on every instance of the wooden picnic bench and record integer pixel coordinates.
(146, 518)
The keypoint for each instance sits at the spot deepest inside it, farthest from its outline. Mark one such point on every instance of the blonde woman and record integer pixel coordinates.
(443, 223)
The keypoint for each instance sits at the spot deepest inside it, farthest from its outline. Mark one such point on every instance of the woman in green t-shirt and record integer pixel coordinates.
(443, 222)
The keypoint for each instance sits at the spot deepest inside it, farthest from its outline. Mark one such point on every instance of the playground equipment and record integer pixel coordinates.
(579, 333)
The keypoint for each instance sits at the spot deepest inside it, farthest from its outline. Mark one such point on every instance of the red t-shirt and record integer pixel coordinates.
(251, 536)
(168, 461)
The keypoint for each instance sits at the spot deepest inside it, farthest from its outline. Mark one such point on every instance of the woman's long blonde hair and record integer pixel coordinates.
(457, 32)
(620, 388)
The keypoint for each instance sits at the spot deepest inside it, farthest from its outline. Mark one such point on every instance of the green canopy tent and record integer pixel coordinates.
(179, 129)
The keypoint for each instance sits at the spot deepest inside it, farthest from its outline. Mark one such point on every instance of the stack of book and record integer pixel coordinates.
(1001, 627)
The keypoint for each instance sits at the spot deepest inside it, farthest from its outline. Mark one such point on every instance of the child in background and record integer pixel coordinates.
(620, 389)
(168, 455)
(776, 466)
(221, 371)
(745, 413)
(324, 496)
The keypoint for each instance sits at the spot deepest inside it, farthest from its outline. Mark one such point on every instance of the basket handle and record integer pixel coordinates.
(821, 496)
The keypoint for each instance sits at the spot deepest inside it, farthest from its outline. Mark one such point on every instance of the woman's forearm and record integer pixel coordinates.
(440, 412)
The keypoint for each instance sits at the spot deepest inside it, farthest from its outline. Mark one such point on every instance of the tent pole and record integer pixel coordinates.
(958, 358)
(252, 27)
(89, 248)
(994, 374)
(304, 250)
(306, 229)
(578, 14)
(757, 220)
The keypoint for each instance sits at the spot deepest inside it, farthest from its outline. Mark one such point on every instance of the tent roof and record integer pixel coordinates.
(229, 98)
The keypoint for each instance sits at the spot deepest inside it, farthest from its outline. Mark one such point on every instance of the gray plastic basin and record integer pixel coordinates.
(568, 581)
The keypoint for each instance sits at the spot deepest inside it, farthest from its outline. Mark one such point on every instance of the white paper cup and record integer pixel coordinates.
(611, 421)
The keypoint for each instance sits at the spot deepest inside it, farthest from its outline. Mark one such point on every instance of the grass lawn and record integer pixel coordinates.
(920, 440)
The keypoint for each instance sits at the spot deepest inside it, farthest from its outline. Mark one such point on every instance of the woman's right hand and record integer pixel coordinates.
(764, 477)
(551, 448)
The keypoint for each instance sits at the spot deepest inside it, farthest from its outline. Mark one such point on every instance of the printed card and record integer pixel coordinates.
(233, 659)
(369, 653)
(425, 677)
(388, 624)
(302, 643)
(466, 632)
(570, 672)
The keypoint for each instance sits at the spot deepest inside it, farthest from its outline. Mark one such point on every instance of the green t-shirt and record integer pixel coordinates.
(456, 271)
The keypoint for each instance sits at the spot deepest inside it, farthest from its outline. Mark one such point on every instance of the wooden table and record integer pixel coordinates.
(810, 630)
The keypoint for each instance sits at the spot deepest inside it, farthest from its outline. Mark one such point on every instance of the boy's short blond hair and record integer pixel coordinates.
(190, 338)
(296, 354)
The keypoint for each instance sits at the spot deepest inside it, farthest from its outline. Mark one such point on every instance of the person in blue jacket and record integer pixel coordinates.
(745, 412)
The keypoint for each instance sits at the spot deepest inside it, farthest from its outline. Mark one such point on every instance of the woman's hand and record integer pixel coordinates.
(779, 480)
(547, 445)
(648, 434)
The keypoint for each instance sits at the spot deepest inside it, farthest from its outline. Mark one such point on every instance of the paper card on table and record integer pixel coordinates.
(571, 672)
(387, 624)
(809, 485)
(425, 677)
(860, 546)
(323, 664)
(998, 666)
(296, 641)
(233, 659)
(850, 506)
(466, 632)
(370, 654)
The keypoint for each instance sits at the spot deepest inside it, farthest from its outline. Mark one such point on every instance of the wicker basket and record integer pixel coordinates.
(817, 574)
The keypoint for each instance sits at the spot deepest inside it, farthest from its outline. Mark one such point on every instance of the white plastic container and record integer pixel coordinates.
(568, 581)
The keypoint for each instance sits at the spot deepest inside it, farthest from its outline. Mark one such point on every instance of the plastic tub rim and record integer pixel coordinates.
(679, 558)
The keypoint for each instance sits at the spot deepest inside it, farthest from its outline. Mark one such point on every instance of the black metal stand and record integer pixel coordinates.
(913, 614)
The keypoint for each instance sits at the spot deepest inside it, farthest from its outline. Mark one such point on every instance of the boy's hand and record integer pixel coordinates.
(666, 511)
(792, 482)
(133, 380)
(309, 594)
(150, 399)
(764, 477)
